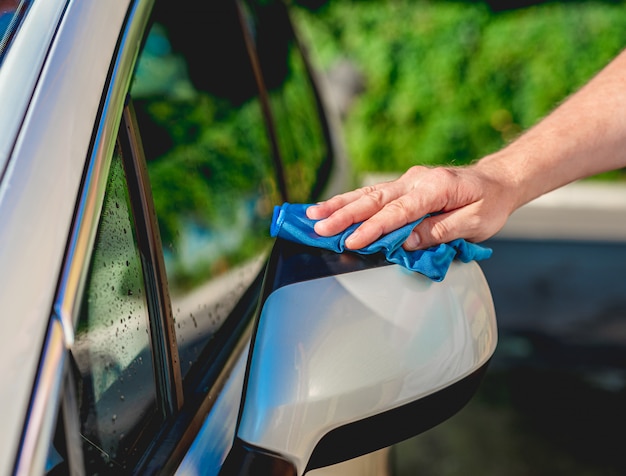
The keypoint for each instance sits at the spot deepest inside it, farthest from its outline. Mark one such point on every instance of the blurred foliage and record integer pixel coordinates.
(212, 188)
(208, 160)
(212, 165)
(448, 82)
(301, 140)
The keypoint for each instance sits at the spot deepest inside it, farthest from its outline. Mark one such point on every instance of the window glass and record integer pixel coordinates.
(208, 156)
(115, 377)
(302, 141)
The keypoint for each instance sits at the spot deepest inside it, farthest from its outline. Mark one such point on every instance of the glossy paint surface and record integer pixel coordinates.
(21, 68)
(335, 350)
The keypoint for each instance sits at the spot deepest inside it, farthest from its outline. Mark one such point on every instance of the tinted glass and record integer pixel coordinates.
(299, 128)
(115, 376)
(209, 162)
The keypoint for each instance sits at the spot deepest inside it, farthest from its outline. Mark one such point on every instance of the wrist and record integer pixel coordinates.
(506, 178)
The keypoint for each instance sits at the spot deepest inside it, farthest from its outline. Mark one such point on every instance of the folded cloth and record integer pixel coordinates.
(291, 223)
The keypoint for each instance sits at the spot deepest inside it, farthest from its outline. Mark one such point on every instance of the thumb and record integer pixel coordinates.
(442, 228)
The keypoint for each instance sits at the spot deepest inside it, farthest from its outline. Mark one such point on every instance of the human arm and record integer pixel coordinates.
(584, 136)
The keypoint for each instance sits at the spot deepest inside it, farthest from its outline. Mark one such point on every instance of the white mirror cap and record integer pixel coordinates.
(339, 349)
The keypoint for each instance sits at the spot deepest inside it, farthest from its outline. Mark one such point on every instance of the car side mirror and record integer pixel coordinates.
(351, 362)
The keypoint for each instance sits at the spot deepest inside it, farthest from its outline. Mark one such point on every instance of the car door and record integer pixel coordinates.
(209, 118)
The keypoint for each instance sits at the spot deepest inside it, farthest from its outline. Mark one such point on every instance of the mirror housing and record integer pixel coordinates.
(345, 364)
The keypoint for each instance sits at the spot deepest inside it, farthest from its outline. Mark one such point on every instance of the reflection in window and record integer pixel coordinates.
(115, 380)
(300, 132)
(208, 158)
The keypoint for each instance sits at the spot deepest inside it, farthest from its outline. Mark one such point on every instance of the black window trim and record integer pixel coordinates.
(264, 100)
(162, 332)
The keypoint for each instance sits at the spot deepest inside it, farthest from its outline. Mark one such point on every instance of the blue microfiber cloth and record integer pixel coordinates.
(291, 223)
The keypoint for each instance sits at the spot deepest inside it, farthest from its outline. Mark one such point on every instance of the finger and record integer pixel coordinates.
(431, 232)
(392, 216)
(341, 219)
(328, 207)
(369, 202)
(446, 227)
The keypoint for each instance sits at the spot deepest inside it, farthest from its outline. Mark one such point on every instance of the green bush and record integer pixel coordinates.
(448, 82)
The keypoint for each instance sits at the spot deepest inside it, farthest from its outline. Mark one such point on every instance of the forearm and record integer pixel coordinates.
(584, 136)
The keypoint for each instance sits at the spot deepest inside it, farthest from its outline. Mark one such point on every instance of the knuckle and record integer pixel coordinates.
(439, 232)
(377, 196)
(399, 208)
(416, 170)
(367, 189)
(442, 175)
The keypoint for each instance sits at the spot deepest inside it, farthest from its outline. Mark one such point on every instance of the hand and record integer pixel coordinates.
(471, 204)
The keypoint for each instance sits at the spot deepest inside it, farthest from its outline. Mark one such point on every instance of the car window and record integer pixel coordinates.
(302, 134)
(115, 382)
(209, 162)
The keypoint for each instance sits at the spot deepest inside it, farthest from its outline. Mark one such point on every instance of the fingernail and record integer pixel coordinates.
(318, 227)
(412, 242)
(351, 239)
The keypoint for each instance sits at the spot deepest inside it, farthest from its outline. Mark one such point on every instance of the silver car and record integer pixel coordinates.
(150, 325)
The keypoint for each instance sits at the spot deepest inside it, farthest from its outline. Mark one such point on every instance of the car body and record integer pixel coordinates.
(143, 148)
